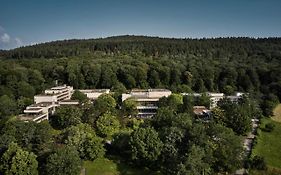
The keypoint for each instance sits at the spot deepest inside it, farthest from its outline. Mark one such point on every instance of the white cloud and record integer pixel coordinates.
(7, 41)
(34, 43)
(5, 38)
(18, 42)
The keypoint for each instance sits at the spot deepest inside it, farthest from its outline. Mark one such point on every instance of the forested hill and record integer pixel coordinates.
(269, 48)
(125, 62)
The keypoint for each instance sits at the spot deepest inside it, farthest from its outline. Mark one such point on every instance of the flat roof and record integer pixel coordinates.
(141, 99)
(47, 94)
(69, 100)
(199, 107)
(42, 104)
(199, 110)
(33, 108)
(215, 93)
(191, 94)
(28, 116)
(93, 90)
(233, 96)
(25, 117)
(150, 90)
(59, 87)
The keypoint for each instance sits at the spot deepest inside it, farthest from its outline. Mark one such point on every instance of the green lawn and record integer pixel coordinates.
(269, 171)
(269, 144)
(277, 113)
(104, 166)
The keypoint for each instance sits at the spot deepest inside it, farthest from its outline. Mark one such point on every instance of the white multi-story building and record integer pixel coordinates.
(216, 97)
(46, 103)
(55, 94)
(147, 100)
(93, 94)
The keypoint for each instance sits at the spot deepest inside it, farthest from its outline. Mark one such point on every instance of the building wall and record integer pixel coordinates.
(159, 94)
(216, 97)
(52, 96)
(93, 94)
(45, 98)
(147, 100)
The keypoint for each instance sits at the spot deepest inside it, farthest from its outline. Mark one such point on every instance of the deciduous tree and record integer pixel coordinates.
(18, 162)
(63, 161)
(107, 125)
(145, 146)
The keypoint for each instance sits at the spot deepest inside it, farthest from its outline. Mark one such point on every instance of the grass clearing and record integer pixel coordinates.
(104, 166)
(269, 171)
(269, 144)
(277, 113)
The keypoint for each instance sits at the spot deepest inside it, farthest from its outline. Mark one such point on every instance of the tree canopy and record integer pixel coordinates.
(145, 146)
(66, 116)
(17, 161)
(107, 125)
(63, 161)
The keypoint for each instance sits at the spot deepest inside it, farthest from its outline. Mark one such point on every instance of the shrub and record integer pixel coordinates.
(269, 127)
(258, 163)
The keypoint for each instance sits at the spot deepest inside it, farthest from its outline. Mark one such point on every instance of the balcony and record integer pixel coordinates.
(147, 107)
(33, 110)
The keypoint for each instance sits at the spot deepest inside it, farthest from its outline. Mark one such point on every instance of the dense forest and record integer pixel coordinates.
(182, 65)
(177, 144)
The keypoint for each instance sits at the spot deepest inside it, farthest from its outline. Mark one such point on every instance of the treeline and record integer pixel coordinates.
(152, 46)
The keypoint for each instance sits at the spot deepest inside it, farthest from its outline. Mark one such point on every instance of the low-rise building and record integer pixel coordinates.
(93, 94)
(235, 98)
(201, 112)
(147, 100)
(46, 103)
(216, 97)
(55, 94)
(38, 112)
(68, 102)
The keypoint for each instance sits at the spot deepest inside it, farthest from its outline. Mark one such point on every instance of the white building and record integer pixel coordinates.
(235, 98)
(147, 100)
(93, 94)
(55, 94)
(216, 97)
(38, 112)
(46, 103)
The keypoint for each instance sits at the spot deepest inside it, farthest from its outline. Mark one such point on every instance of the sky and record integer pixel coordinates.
(27, 22)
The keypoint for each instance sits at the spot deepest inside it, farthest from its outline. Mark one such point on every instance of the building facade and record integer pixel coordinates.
(147, 100)
(216, 97)
(55, 94)
(38, 112)
(46, 103)
(93, 94)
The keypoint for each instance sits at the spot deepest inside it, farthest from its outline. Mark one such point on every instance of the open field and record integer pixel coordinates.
(269, 171)
(277, 113)
(269, 144)
(104, 166)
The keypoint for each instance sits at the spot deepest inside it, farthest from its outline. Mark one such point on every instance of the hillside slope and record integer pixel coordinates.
(151, 46)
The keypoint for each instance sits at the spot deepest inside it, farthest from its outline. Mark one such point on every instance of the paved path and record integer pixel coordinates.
(248, 143)
(83, 171)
